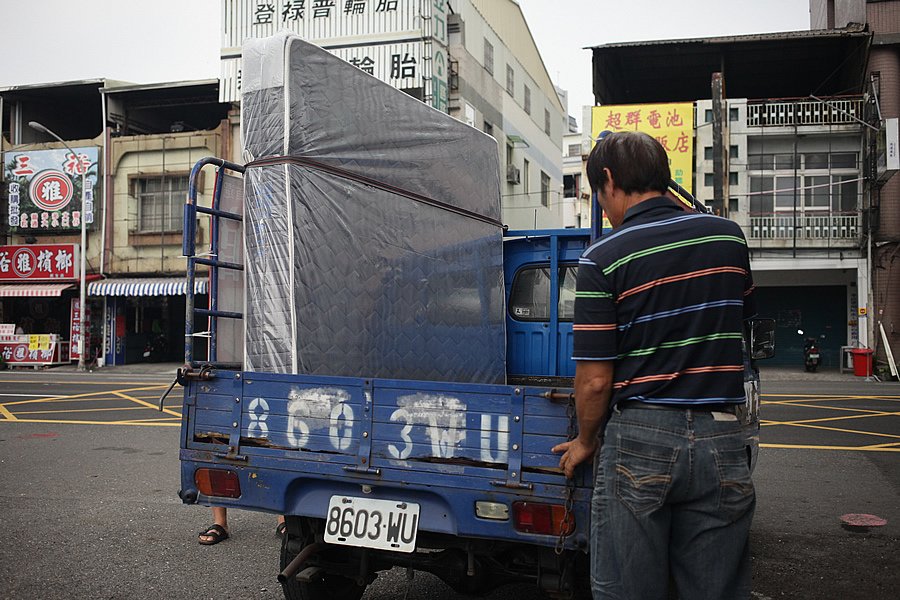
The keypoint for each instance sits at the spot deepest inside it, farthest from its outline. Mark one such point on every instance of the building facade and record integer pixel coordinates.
(882, 209)
(474, 59)
(137, 145)
(786, 157)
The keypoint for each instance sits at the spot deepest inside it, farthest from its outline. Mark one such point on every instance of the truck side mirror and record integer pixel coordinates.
(762, 338)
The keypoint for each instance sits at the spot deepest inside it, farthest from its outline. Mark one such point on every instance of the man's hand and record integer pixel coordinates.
(574, 453)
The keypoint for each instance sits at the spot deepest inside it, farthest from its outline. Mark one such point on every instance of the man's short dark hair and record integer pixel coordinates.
(638, 163)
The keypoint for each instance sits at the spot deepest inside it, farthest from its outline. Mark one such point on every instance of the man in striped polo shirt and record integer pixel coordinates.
(659, 319)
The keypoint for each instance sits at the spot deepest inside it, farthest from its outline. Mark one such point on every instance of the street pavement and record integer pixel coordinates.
(89, 474)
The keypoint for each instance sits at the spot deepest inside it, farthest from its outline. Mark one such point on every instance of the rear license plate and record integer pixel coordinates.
(814, 356)
(369, 523)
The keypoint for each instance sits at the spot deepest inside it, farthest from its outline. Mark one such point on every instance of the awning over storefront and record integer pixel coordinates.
(153, 286)
(33, 290)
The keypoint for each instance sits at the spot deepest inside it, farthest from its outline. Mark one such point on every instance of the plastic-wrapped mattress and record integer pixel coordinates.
(372, 233)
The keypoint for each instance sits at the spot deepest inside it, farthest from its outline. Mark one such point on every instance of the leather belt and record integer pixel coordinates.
(719, 407)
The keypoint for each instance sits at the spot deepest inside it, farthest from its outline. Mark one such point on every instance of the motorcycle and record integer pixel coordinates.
(811, 355)
(155, 348)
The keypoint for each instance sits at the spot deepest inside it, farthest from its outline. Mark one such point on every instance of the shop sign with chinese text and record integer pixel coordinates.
(671, 124)
(401, 42)
(44, 188)
(38, 262)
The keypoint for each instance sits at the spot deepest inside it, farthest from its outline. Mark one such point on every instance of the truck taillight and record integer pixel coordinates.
(547, 519)
(218, 482)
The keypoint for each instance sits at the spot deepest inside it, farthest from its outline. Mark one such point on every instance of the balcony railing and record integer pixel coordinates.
(809, 227)
(781, 113)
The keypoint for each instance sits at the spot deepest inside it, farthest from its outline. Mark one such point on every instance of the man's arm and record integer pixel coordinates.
(593, 388)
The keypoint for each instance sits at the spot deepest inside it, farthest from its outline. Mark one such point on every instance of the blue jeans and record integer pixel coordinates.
(673, 497)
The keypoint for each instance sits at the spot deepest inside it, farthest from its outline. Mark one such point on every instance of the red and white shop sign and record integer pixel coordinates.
(38, 262)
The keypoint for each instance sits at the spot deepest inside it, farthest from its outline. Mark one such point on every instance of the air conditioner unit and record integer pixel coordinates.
(512, 174)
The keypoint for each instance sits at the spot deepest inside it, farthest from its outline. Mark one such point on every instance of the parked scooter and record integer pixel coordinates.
(811, 355)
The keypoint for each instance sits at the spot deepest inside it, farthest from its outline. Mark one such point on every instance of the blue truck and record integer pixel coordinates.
(456, 479)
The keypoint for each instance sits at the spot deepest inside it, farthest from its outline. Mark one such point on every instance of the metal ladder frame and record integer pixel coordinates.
(189, 250)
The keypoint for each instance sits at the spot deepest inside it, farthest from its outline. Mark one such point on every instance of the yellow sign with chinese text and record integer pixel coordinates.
(38, 342)
(671, 124)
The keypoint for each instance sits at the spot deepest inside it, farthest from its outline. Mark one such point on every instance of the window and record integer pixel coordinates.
(546, 121)
(845, 194)
(733, 114)
(488, 128)
(527, 103)
(708, 179)
(707, 116)
(545, 189)
(160, 203)
(574, 150)
(510, 81)
(732, 178)
(488, 57)
(733, 205)
(707, 153)
(529, 298)
(761, 198)
(817, 195)
(733, 152)
(526, 166)
(816, 160)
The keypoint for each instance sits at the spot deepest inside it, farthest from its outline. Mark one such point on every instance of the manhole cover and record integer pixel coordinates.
(861, 520)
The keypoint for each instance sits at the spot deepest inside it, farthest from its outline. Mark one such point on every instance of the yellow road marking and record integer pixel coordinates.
(819, 407)
(137, 421)
(147, 404)
(79, 410)
(880, 446)
(872, 433)
(49, 383)
(6, 414)
(827, 396)
(846, 448)
(87, 395)
(63, 421)
(824, 419)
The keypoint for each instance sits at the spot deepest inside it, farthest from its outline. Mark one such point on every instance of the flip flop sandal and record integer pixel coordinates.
(279, 530)
(216, 532)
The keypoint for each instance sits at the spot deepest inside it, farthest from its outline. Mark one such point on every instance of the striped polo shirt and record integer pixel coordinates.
(666, 295)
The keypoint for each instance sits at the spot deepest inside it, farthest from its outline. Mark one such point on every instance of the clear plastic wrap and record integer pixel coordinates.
(378, 251)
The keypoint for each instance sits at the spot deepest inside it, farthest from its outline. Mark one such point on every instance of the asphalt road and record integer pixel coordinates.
(89, 475)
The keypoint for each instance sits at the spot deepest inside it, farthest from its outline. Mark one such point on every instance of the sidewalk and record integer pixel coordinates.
(156, 369)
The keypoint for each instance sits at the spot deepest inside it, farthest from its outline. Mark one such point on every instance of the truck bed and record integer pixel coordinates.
(295, 441)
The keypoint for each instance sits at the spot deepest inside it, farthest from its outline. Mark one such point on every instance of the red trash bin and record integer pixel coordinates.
(862, 361)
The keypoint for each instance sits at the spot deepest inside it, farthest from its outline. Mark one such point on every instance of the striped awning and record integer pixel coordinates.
(32, 290)
(153, 286)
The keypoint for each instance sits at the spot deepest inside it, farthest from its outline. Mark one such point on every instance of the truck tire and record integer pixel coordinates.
(328, 587)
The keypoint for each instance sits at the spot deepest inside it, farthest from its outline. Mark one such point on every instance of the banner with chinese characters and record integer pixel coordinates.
(38, 262)
(671, 124)
(33, 350)
(44, 188)
(77, 327)
(355, 30)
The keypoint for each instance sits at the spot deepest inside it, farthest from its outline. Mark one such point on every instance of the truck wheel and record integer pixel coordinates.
(328, 587)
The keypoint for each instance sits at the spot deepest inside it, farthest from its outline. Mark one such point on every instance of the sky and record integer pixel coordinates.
(175, 40)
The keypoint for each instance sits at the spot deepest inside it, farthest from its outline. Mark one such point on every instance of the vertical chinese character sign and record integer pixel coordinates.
(671, 124)
(44, 188)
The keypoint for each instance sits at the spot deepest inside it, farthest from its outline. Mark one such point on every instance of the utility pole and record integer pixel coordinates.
(720, 160)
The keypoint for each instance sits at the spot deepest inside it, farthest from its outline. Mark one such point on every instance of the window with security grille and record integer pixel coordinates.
(545, 189)
(489, 57)
(527, 102)
(510, 81)
(160, 203)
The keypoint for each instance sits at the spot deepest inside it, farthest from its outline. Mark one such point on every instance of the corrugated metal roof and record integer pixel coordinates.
(753, 37)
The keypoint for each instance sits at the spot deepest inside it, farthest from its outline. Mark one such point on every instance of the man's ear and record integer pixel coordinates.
(610, 183)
